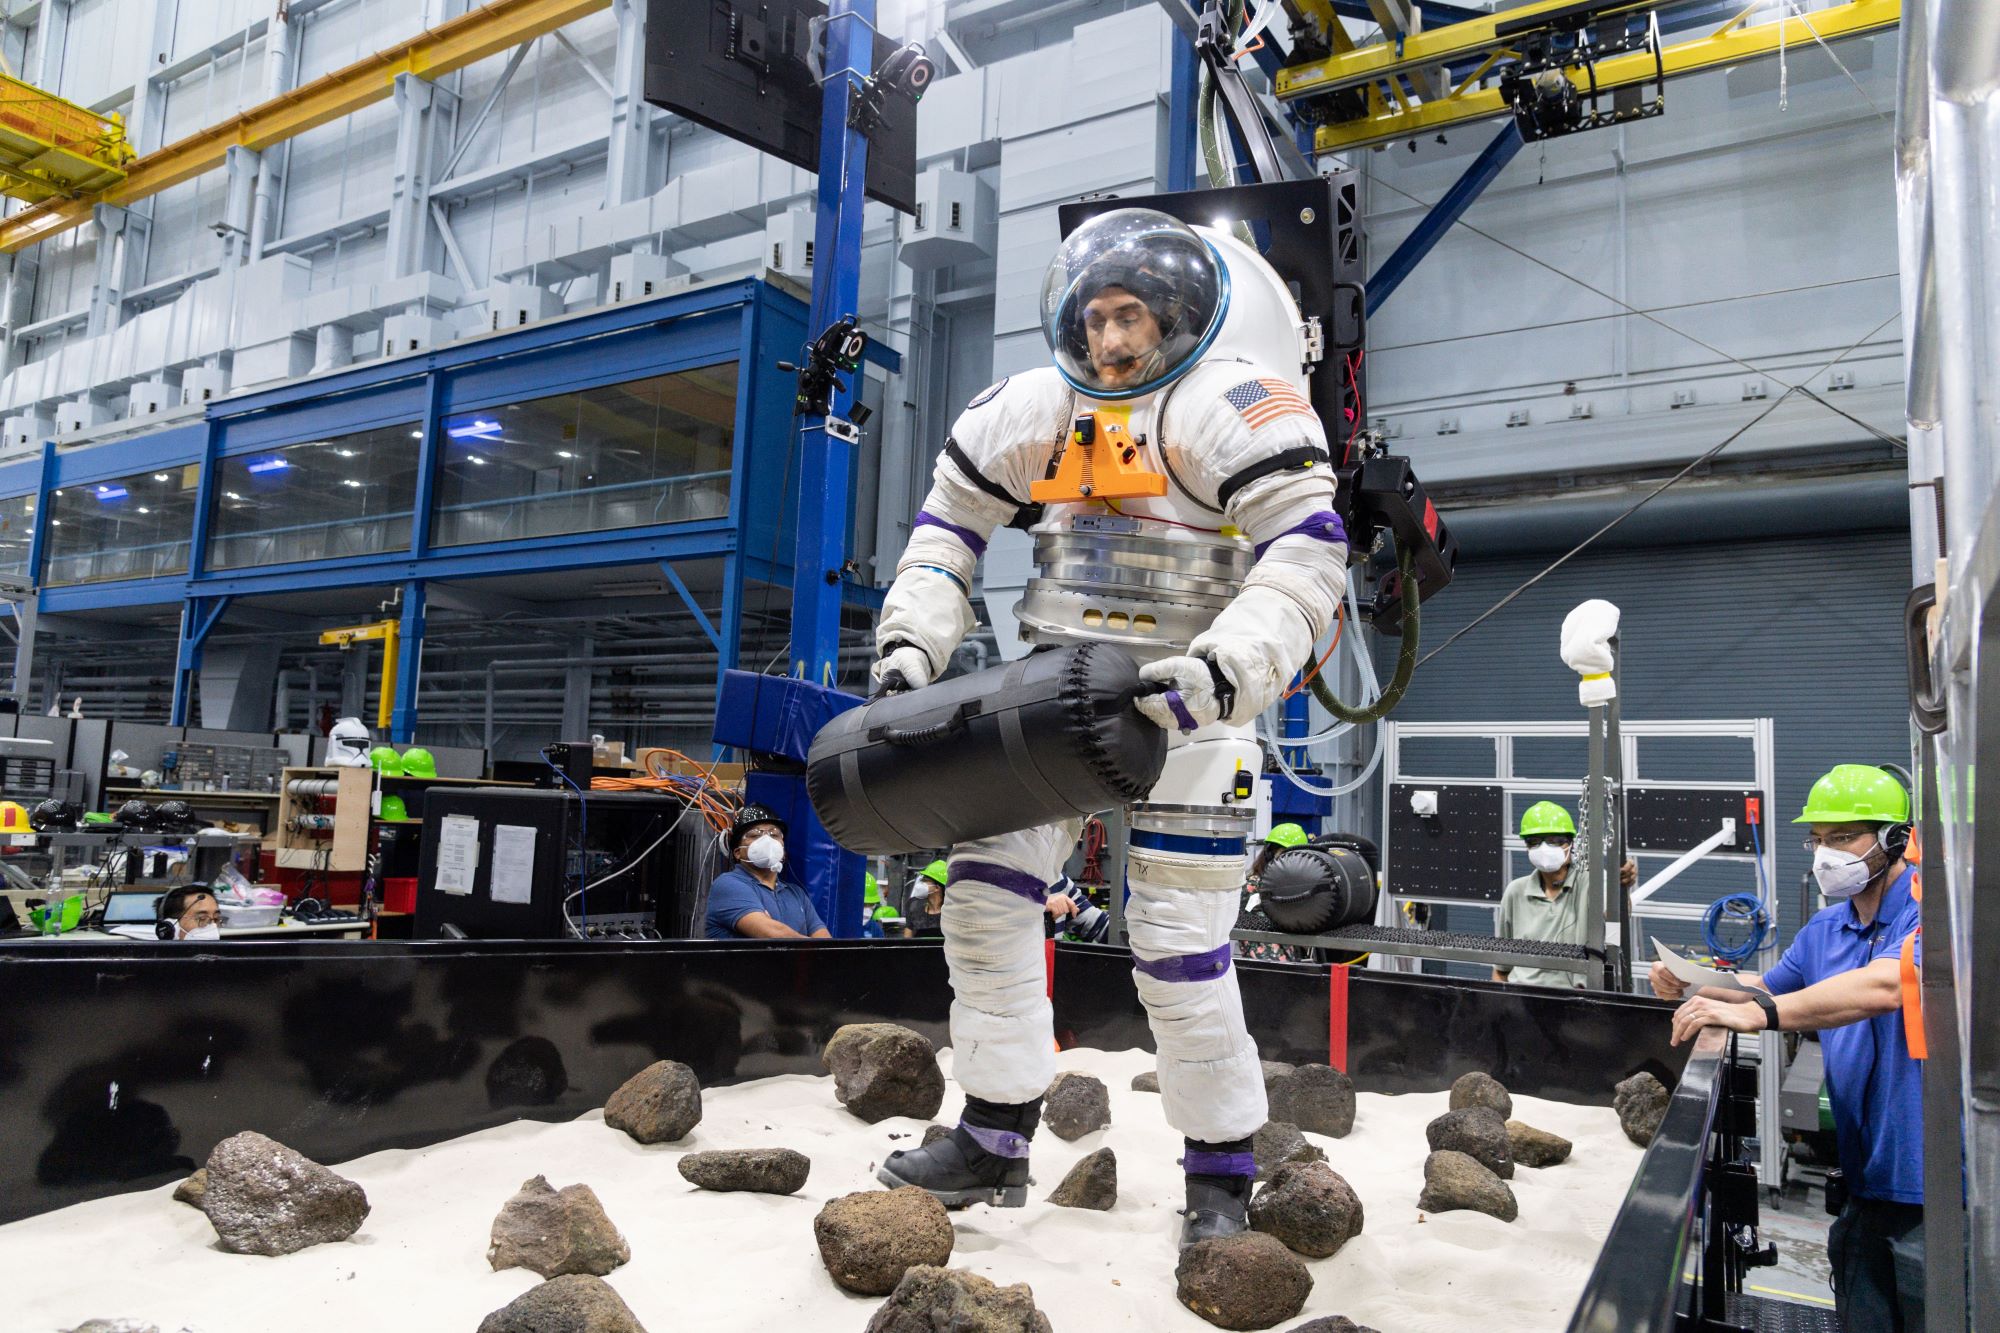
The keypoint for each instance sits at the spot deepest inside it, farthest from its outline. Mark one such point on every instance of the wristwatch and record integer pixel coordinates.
(1770, 1007)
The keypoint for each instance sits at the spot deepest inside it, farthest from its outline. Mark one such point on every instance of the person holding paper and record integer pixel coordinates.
(1547, 903)
(1841, 978)
(749, 900)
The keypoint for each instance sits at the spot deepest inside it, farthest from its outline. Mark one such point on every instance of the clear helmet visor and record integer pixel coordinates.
(1131, 302)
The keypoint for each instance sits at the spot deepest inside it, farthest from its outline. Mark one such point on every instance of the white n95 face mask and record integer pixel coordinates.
(203, 933)
(1840, 874)
(1547, 857)
(767, 853)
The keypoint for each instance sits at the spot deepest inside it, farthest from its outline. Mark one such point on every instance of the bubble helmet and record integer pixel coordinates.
(1131, 302)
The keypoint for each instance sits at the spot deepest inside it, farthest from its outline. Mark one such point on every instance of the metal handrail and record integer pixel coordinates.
(1637, 1283)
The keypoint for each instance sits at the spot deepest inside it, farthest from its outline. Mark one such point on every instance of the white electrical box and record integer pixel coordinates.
(18, 434)
(150, 397)
(636, 277)
(404, 334)
(788, 244)
(204, 385)
(510, 305)
(79, 415)
(953, 223)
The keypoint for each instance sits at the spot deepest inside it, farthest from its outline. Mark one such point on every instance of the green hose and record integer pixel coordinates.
(1406, 659)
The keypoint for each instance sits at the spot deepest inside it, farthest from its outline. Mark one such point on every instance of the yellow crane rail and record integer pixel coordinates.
(431, 54)
(1731, 44)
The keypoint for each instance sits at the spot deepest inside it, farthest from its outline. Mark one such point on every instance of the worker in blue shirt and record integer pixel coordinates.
(750, 900)
(1841, 978)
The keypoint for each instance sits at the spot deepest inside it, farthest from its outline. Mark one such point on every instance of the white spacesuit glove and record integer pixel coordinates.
(903, 668)
(1195, 693)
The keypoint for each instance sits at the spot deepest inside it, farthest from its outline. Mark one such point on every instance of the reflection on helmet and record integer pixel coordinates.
(1131, 302)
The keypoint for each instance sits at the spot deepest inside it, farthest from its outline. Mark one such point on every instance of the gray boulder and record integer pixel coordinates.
(1246, 1281)
(659, 1104)
(1333, 1323)
(1279, 1142)
(1476, 1089)
(1091, 1183)
(1536, 1147)
(1453, 1182)
(1317, 1098)
(192, 1190)
(1310, 1207)
(1076, 1105)
(263, 1198)
(932, 1133)
(1641, 1103)
(882, 1069)
(869, 1240)
(951, 1300)
(1477, 1131)
(1146, 1082)
(553, 1231)
(573, 1303)
(749, 1170)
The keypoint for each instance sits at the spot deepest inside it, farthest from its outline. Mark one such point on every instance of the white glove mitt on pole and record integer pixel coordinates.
(1587, 632)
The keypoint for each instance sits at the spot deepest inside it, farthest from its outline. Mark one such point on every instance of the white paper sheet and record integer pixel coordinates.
(1694, 974)
(458, 854)
(513, 878)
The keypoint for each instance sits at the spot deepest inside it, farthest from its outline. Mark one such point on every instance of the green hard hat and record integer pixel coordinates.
(936, 870)
(393, 808)
(871, 892)
(417, 763)
(1856, 794)
(1546, 817)
(1286, 835)
(384, 760)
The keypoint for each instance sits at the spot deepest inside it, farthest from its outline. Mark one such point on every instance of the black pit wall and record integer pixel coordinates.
(120, 1068)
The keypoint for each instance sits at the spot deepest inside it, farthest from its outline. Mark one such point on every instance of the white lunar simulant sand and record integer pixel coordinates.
(716, 1262)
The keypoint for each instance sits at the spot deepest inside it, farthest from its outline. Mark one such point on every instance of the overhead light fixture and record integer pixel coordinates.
(108, 493)
(144, 510)
(476, 429)
(416, 435)
(564, 453)
(269, 465)
(349, 481)
(477, 459)
(232, 495)
(345, 453)
(55, 522)
(161, 476)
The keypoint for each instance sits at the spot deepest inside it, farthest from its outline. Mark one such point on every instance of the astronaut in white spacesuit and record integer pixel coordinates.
(1180, 490)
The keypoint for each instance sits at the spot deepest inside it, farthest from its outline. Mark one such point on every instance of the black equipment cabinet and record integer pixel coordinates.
(622, 844)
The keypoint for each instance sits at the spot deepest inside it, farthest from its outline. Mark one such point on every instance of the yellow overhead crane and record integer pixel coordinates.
(1367, 95)
(51, 148)
(390, 633)
(433, 53)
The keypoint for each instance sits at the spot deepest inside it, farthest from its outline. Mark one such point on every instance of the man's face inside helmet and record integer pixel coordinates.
(1124, 335)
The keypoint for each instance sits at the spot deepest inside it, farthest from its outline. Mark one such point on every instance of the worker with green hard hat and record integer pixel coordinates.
(923, 902)
(1547, 903)
(878, 919)
(1842, 977)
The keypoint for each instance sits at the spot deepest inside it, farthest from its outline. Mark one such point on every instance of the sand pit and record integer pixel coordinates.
(748, 1262)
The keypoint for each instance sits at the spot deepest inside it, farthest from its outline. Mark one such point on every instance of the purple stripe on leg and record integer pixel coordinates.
(1187, 966)
(1006, 1143)
(1219, 1164)
(1018, 882)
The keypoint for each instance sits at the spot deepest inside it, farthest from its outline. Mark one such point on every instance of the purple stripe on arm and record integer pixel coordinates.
(1018, 882)
(1186, 966)
(1006, 1143)
(1219, 1164)
(1323, 525)
(966, 535)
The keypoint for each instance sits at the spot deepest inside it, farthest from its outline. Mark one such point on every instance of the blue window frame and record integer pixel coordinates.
(131, 527)
(328, 499)
(641, 453)
(17, 534)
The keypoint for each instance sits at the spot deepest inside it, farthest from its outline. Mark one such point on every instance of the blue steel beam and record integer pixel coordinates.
(679, 585)
(409, 664)
(1485, 168)
(1181, 108)
(199, 615)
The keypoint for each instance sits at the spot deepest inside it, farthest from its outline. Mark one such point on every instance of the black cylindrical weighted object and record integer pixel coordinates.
(1311, 890)
(1048, 737)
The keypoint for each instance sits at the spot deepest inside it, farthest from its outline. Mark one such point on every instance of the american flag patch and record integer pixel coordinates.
(1260, 402)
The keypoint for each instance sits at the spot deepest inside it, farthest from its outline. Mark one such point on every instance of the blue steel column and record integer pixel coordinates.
(832, 876)
(1184, 98)
(1443, 215)
(409, 665)
(824, 458)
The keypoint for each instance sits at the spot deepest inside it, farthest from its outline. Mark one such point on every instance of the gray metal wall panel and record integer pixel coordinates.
(1805, 631)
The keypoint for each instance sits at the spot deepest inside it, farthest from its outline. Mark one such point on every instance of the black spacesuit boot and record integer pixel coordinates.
(1219, 1179)
(983, 1160)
